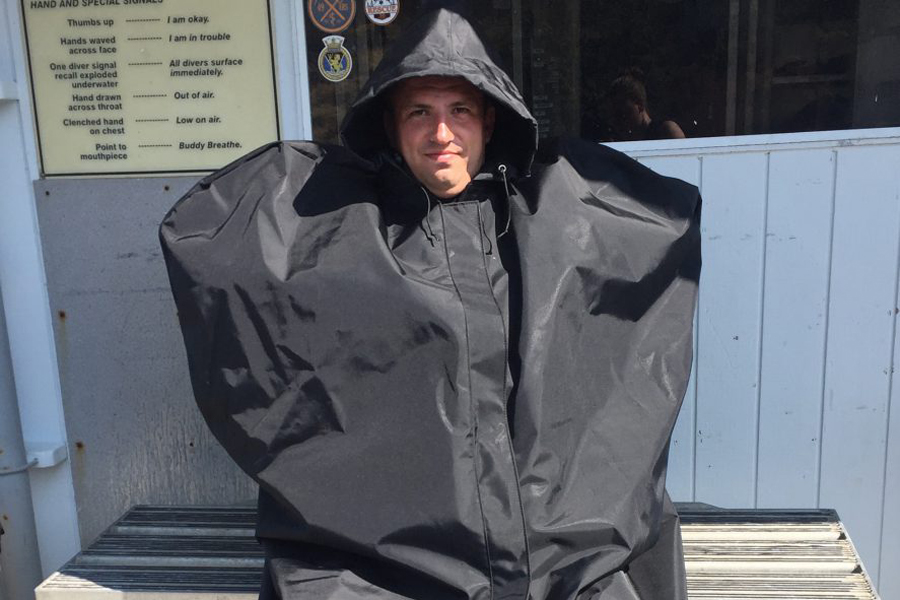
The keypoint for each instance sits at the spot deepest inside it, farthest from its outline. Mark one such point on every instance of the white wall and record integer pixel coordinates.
(26, 305)
(796, 345)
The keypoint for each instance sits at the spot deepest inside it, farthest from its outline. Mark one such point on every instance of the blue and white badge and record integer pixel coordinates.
(382, 12)
(335, 61)
(332, 16)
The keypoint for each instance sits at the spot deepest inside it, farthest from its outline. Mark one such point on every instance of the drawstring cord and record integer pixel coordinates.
(429, 232)
(490, 250)
(502, 169)
(485, 236)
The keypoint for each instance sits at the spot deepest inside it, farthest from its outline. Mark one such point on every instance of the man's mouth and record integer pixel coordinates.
(442, 155)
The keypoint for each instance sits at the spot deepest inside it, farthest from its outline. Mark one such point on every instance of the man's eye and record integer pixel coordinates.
(418, 112)
(462, 110)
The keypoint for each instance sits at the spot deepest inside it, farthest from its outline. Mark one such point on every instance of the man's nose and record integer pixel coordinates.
(442, 133)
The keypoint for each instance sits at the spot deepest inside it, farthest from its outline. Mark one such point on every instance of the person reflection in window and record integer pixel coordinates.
(629, 117)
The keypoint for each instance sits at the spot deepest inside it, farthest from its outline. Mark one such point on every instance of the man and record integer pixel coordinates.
(627, 105)
(440, 126)
(453, 370)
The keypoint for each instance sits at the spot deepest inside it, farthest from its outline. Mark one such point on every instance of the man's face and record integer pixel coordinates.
(441, 125)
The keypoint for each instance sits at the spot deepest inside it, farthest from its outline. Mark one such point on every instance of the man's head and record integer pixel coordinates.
(627, 104)
(440, 125)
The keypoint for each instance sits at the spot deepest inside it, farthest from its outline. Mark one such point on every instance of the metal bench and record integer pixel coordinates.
(209, 553)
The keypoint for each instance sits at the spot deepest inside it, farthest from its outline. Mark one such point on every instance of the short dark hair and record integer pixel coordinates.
(629, 86)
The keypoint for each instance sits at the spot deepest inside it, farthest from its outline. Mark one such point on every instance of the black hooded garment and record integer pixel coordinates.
(467, 399)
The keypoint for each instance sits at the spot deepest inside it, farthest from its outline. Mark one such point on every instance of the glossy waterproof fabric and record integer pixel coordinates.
(434, 410)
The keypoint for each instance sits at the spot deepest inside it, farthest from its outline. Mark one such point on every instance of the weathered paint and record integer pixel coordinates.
(135, 434)
(683, 446)
(824, 300)
(890, 531)
(27, 316)
(795, 312)
(729, 328)
(860, 341)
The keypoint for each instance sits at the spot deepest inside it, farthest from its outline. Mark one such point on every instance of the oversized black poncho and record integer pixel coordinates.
(434, 410)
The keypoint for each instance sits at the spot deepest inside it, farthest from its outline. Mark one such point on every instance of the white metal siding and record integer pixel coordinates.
(790, 403)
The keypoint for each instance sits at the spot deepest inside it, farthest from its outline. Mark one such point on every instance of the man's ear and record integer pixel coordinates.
(490, 117)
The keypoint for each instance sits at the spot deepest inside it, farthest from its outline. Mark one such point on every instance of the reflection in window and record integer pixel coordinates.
(705, 67)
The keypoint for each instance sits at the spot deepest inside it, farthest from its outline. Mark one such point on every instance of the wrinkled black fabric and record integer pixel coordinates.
(432, 410)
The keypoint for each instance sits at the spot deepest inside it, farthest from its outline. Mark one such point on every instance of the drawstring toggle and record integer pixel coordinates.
(502, 169)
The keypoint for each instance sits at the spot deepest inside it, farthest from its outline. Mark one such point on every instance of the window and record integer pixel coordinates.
(713, 67)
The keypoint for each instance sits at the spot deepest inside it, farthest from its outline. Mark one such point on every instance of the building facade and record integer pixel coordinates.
(791, 117)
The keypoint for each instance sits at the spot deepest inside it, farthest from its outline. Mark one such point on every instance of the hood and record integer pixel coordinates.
(443, 43)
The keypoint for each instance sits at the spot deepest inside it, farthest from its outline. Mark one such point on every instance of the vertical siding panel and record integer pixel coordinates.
(798, 239)
(729, 328)
(861, 316)
(680, 479)
(889, 580)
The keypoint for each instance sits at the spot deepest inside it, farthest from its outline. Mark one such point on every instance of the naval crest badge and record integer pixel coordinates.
(334, 61)
(332, 16)
(382, 12)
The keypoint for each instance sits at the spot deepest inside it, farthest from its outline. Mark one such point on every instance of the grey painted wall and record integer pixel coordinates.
(794, 401)
(134, 433)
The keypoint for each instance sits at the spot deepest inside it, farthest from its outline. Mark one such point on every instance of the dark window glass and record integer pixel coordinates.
(645, 69)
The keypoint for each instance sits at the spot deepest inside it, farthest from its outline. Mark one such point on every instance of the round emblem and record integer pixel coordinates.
(335, 61)
(332, 16)
(382, 12)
